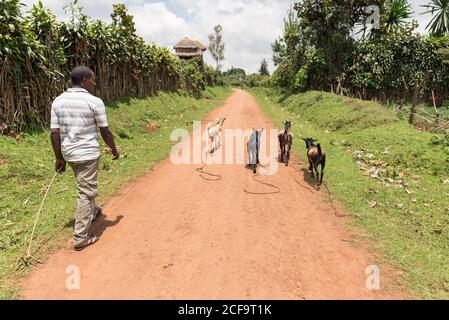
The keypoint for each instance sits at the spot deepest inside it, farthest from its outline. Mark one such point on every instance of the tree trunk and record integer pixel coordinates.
(415, 104)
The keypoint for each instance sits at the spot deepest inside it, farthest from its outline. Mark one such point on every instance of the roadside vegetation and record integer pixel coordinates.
(142, 129)
(38, 52)
(392, 179)
(336, 47)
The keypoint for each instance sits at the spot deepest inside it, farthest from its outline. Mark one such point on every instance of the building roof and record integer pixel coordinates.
(191, 44)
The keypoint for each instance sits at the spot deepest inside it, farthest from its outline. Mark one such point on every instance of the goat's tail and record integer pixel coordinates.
(320, 151)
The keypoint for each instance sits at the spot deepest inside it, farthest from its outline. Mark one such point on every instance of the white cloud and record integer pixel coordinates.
(155, 23)
(249, 26)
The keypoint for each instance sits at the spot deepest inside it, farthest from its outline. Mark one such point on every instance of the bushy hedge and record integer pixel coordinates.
(37, 53)
(320, 49)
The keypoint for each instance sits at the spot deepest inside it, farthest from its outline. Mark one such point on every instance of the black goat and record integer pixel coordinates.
(316, 157)
(285, 142)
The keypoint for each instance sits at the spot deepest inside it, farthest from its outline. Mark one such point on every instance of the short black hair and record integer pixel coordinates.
(79, 73)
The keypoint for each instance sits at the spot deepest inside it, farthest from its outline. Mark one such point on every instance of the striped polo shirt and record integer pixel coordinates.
(78, 114)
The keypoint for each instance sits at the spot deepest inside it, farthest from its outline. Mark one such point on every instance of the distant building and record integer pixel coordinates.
(187, 49)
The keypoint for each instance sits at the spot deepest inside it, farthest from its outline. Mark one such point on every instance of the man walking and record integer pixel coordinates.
(75, 116)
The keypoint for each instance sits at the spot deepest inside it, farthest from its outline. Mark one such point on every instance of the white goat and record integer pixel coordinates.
(213, 136)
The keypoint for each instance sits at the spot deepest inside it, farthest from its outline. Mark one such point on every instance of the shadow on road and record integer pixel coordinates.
(308, 178)
(102, 224)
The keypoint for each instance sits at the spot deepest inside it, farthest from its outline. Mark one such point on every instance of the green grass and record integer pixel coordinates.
(403, 209)
(26, 167)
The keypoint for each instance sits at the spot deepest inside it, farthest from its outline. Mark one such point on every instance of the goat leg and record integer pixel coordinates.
(315, 166)
(288, 152)
(282, 153)
(322, 175)
(323, 165)
(311, 169)
(211, 146)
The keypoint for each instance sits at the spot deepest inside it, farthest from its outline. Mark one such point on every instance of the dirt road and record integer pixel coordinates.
(173, 235)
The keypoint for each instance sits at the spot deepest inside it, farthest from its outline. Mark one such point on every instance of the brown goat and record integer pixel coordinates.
(285, 142)
(316, 157)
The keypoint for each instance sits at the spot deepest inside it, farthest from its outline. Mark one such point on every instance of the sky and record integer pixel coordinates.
(249, 26)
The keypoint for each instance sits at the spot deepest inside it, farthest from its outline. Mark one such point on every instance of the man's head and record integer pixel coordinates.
(83, 77)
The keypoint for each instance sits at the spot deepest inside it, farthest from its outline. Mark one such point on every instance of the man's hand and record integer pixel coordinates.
(116, 154)
(60, 166)
(56, 143)
(109, 139)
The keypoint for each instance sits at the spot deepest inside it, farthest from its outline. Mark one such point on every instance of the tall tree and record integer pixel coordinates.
(439, 24)
(263, 71)
(288, 51)
(325, 26)
(395, 15)
(217, 46)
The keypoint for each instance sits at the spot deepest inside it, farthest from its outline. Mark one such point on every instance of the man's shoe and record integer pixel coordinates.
(85, 243)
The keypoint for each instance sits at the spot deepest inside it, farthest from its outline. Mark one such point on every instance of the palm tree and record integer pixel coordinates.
(398, 12)
(396, 15)
(440, 22)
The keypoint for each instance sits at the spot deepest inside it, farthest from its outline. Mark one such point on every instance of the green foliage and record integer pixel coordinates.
(255, 80)
(340, 113)
(395, 17)
(196, 75)
(397, 14)
(440, 140)
(267, 82)
(263, 71)
(37, 53)
(288, 52)
(301, 79)
(234, 76)
(391, 66)
(317, 51)
(439, 25)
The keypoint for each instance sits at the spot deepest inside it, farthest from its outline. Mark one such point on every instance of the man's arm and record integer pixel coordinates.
(56, 143)
(108, 138)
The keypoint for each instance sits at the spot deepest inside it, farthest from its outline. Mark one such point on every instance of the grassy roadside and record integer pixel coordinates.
(142, 128)
(390, 176)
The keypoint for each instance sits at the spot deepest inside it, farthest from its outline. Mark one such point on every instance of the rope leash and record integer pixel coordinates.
(337, 214)
(216, 177)
(278, 190)
(299, 183)
(305, 187)
(27, 260)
